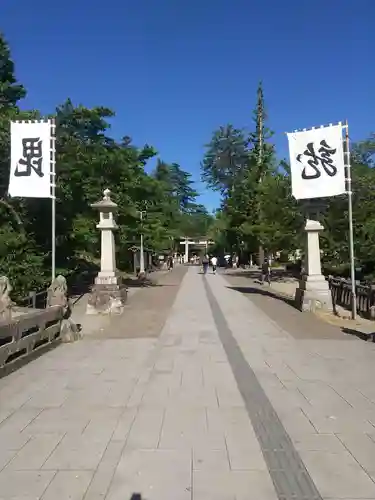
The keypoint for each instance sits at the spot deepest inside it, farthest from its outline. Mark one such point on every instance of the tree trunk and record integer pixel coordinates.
(261, 255)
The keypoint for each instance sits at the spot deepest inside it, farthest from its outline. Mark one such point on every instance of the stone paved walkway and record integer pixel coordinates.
(223, 404)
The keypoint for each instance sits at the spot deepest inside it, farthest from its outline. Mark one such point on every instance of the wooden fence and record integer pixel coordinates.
(341, 290)
(26, 333)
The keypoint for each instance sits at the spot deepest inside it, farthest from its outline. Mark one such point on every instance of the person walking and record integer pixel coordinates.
(214, 264)
(205, 263)
(170, 263)
(266, 272)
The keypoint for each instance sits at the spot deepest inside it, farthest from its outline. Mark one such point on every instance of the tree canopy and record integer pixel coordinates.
(257, 207)
(88, 160)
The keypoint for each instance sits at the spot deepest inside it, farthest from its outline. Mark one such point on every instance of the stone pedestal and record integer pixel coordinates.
(109, 294)
(6, 303)
(313, 291)
(57, 295)
(107, 299)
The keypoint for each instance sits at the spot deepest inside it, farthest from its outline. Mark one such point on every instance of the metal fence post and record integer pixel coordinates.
(32, 297)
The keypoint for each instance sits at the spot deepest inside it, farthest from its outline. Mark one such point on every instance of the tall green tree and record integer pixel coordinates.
(10, 90)
(20, 257)
(236, 164)
(88, 160)
(226, 158)
(257, 208)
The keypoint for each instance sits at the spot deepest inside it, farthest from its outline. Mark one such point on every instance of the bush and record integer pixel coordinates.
(339, 270)
(294, 268)
(21, 262)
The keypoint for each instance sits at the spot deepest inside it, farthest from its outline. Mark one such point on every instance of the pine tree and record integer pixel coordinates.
(262, 153)
(10, 91)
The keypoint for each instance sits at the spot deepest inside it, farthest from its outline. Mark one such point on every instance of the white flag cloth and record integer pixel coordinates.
(317, 162)
(30, 164)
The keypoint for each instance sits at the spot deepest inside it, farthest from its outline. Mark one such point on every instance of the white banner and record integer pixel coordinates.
(30, 163)
(317, 162)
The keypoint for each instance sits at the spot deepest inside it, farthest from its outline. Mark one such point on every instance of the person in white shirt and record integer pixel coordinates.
(214, 264)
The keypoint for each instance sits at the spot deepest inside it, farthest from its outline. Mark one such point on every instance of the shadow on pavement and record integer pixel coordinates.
(367, 337)
(134, 283)
(264, 292)
(141, 283)
(278, 275)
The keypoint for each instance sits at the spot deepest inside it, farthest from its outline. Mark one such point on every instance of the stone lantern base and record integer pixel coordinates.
(313, 293)
(108, 296)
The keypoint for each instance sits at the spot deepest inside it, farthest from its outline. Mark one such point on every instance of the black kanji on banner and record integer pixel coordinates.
(32, 158)
(316, 161)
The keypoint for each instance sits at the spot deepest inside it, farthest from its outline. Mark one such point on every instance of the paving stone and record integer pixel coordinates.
(338, 475)
(156, 474)
(182, 428)
(13, 400)
(164, 416)
(229, 397)
(124, 424)
(244, 452)
(285, 465)
(137, 395)
(104, 473)
(298, 423)
(327, 422)
(299, 326)
(145, 431)
(56, 420)
(48, 398)
(354, 397)
(18, 421)
(155, 396)
(193, 398)
(13, 440)
(232, 485)
(286, 398)
(103, 424)
(147, 311)
(70, 485)
(76, 452)
(96, 396)
(6, 456)
(35, 453)
(4, 414)
(362, 447)
(211, 460)
(321, 395)
(192, 375)
(209, 485)
(319, 442)
(24, 484)
(228, 420)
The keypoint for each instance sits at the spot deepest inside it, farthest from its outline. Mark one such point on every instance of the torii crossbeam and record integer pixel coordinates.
(188, 241)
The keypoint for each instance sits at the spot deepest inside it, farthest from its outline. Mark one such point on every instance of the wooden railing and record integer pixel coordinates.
(35, 300)
(27, 332)
(341, 290)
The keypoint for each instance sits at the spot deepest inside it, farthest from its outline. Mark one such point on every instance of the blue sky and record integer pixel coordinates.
(174, 71)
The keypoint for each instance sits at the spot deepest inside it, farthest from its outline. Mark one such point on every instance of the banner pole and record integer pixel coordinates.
(350, 215)
(53, 193)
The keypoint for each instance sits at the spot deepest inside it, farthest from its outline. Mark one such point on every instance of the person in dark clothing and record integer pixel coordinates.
(170, 263)
(266, 273)
(205, 263)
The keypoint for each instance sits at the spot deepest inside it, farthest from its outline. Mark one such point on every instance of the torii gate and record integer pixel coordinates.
(189, 241)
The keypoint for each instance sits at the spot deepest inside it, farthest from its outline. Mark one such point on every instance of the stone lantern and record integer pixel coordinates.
(108, 295)
(313, 291)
